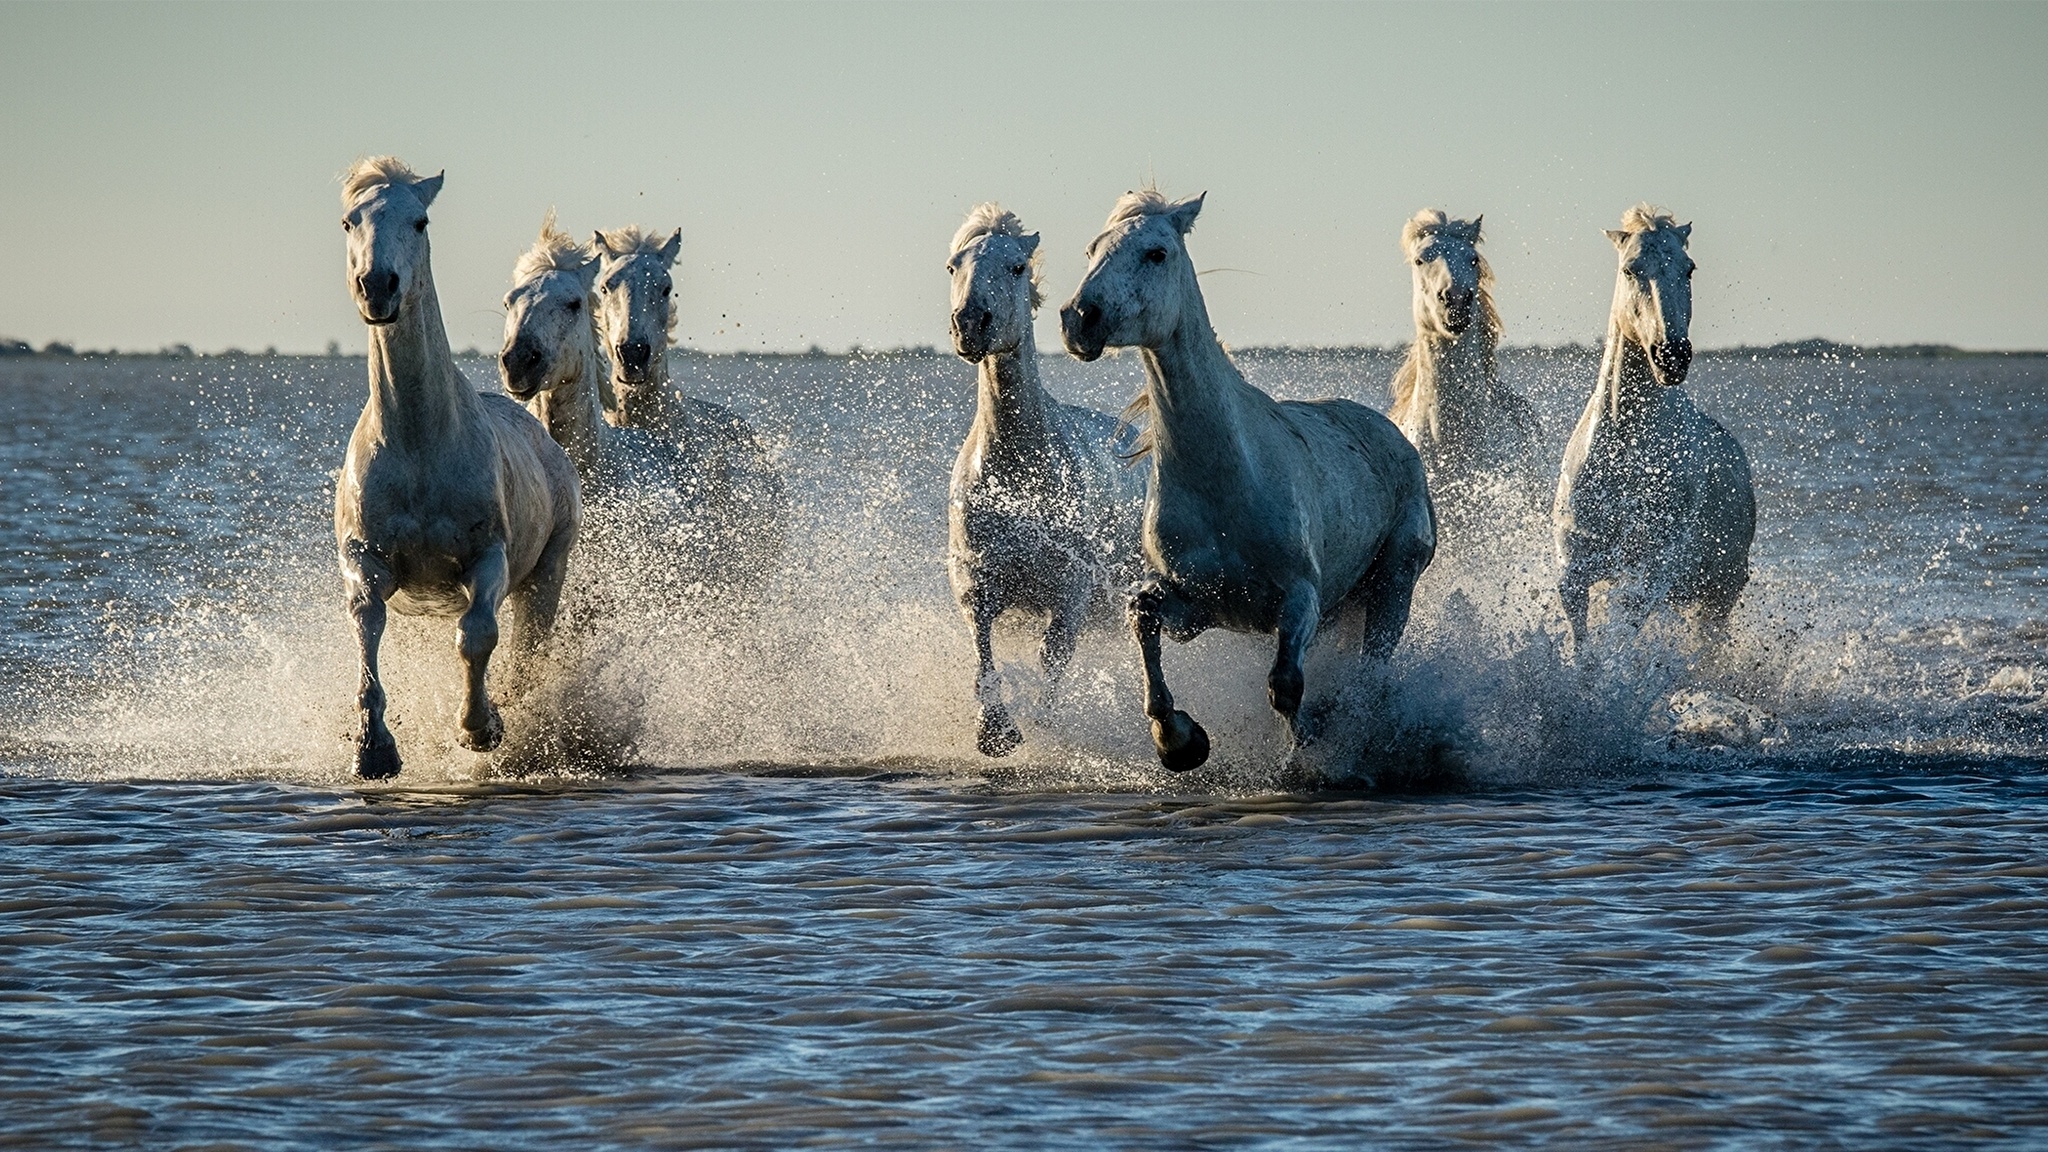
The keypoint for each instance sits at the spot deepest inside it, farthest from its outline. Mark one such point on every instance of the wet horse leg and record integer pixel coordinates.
(1062, 632)
(1154, 605)
(995, 733)
(1300, 613)
(476, 636)
(370, 583)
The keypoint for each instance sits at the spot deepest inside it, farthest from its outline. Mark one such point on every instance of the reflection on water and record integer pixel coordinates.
(800, 909)
(1849, 953)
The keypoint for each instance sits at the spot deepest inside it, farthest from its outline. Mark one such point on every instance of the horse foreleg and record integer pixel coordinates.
(1180, 742)
(1300, 612)
(1575, 590)
(476, 637)
(995, 733)
(370, 584)
(1062, 632)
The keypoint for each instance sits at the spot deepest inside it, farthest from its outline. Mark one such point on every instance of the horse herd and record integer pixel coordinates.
(1220, 508)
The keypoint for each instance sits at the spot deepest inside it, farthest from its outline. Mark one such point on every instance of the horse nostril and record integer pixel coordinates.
(635, 354)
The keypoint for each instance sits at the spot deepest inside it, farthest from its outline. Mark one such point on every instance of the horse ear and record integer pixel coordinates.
(1183, 214)
(1685, 230)
(1476, 222)
(1030, 242)
(673, 248)
(1618, 236)
(429, 188)
(587, 272)
(597, 242)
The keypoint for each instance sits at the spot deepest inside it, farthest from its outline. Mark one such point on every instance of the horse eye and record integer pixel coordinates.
(421, 226)
(1017, 270)
(1156, 256)
(575, 305)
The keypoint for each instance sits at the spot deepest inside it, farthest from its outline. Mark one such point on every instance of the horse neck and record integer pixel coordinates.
(1193, 390)
(646, 405)
(1446, 372)
(417, 395)
(573, 409)
(1010, 403)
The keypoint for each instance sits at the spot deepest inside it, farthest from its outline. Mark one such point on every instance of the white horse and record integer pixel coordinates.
(1472, 431)
(450, 500)
(1654, 494)
(1044, 512)
(1263, 516)
(737, 487)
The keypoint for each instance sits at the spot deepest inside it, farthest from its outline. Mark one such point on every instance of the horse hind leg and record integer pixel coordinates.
(1387, 592)
(370, 584)
(1181, 743)
(476, 638)
(1062, 633)
(995, 734)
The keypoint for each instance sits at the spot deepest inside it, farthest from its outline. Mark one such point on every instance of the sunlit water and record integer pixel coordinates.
(771, 896)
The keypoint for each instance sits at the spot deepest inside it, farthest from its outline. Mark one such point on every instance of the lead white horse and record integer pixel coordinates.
(736, 486)
(1044, 511)
(1654, 494)
(1473, 432)
(449, 500)
(1263, 516)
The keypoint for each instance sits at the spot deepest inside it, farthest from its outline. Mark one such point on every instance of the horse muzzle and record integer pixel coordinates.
(524, 370)
(1081, 331)
(633, 358)
(1672, 359)
(377, 297)
(970, 335)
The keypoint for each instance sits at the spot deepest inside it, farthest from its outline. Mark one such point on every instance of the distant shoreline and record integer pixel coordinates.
(1812, 349)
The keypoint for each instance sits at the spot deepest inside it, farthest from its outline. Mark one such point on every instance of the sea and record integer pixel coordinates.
(739, 879)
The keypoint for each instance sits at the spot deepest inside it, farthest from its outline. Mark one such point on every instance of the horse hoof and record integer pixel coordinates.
(1285, 696)
(1192, 751)
(487, 738)
(376, 757)
(995, 742)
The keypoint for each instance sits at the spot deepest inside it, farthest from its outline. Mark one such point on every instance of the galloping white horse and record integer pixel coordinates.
(1263, 516)
(450, 500)
(1044, 513)
(1448, 398)
(737, 487)
(1654, 493)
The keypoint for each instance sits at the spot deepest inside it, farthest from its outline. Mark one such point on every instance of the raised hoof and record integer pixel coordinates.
(487, 738)
(1192, 750)
(376, 757)
(997, 740)
(1285, 695)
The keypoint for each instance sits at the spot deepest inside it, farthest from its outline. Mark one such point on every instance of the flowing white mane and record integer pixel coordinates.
(1646, 217)
(632, 240)
(371, 171)
(1138, 204)
(992, 219)
(553, 251)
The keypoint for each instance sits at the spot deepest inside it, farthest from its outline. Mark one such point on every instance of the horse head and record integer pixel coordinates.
(995, 267)
(1653, 290)
(385, 216)
(547, 314)
(1139, 277)
(636, 301)
(1451, 278)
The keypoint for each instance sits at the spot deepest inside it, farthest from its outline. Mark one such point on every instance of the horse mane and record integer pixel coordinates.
(371, 171)
(1136, 205)
(1422, 354)
(553, 251)
(992, 219)
(1646, 217)
(633, 240)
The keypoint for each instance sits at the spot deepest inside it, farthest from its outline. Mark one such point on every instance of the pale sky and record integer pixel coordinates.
(1868, 173)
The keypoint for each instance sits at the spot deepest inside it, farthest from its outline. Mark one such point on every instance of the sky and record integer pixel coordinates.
(1876, 174)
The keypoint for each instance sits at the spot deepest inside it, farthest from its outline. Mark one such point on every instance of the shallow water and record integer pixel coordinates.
(799, 909)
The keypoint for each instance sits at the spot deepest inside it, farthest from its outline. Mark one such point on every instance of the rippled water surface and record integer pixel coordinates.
(1509, 903)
